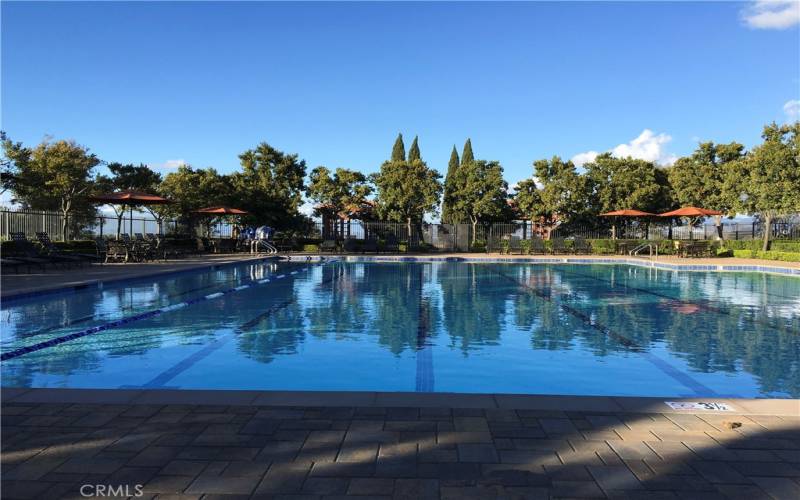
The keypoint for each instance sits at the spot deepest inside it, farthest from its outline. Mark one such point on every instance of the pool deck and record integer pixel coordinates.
(326, 445)
(53, 279)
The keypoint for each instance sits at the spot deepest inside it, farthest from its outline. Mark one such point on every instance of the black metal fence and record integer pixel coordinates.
(443, 237)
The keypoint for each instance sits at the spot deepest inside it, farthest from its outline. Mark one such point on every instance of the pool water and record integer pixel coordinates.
(417, 326)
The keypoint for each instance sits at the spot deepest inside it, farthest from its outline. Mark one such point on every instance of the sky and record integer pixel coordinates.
(200, 82)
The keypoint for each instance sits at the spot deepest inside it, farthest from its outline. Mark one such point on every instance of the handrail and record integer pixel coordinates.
(650, 246)
(270, 249)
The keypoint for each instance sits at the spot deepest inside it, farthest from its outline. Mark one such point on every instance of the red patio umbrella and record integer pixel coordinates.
(628, 212)
(221, 211)
(691, 212)
(131, 198)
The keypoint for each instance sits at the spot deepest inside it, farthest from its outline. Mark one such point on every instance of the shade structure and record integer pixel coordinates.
(221, 211)
(627, 213)
(691, 212)
(129, 197)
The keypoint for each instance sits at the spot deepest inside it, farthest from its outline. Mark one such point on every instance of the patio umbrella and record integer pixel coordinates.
(692, 213)
(629, 212)
(131, 198)
(221, 211)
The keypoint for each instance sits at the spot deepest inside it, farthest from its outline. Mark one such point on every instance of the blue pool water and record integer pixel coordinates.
(432, 326)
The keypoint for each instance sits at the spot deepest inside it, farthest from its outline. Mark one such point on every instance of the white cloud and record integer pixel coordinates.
(772, 14)
(647, 146)
(169, 164)
(792, 109)
(587, 157)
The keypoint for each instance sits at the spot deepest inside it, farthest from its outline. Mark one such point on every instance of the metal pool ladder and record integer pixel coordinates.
(652, 248)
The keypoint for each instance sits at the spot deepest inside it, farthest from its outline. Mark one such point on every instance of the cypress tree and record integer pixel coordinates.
(413, 151)
(399, 149)
(467, 156)
(449, 186)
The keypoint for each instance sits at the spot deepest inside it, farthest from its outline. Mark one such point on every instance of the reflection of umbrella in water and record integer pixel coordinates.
(130, 198)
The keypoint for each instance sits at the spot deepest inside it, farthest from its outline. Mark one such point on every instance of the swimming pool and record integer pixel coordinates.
(593, 329)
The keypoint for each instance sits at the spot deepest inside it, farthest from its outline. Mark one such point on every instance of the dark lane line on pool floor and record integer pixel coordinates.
(149, 314)
(697, 387)
(704, 305)
(160, 380)
(424, 375)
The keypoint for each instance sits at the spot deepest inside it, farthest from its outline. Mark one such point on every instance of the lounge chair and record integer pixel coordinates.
(25, 251)
(537, 246)
(102, 248)
(370, 245)
(580, 245)
(328, 246)
(117, 250)
(557, 246)
(350, 245)
(51, 249)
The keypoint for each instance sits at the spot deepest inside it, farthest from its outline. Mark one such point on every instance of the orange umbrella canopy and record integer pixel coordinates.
(130, 198)
(691, 212)
(221, 211)
(627, 213)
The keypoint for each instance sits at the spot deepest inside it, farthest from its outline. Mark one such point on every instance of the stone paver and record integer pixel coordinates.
(213, 451)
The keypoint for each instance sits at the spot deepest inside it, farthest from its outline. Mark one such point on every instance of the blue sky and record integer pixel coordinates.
(336, 82)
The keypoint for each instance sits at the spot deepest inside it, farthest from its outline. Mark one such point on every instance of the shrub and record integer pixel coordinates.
(311, 248)
(478, 246)
(768, 255)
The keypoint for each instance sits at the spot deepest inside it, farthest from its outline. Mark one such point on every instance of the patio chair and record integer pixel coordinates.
(117, 250)
(392, 244)
(514, 246)
(370, 246)
(537, 247)
(350, 246)
(51, 249)
(25, 251)
(557, 245)
(580, 245)
(328, 246)
(102, 248)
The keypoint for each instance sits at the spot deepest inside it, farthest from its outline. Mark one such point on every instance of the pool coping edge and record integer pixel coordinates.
(499, 401)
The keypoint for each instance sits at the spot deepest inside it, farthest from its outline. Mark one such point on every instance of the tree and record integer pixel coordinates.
(7, 168)
(343, 192)
(451, 181)
(466, 154)
(699, 180)
(413, 151)
(483, 195)
(407, 190)
(562, 199)
(767, 181)
(271, 185)
(192, 189)
(622, 183)
(399, 149)
(53, 176)
(129, 177)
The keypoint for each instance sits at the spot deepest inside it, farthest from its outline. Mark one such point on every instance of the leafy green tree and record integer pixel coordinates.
(53, 176)
(413, 151)
(767, 181)
(192, 189)
(343, 192)
(270, 186)
(399, 149)
(622, 183)
(467, 155)
(699, 180)
(451, 182)
(483, 195)
(562, 199)
(407, 190)
(128, 177)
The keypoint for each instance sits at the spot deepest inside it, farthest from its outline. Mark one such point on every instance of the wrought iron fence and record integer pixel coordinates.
(442, 237)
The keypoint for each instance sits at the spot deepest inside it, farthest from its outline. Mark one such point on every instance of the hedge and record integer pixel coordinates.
(755, 245)
(768, 255)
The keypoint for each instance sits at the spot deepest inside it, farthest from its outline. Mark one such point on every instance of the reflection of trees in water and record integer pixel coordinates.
(59, 361)
(279, 334)
(473, 297)
(338, 305)
(394, 294)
